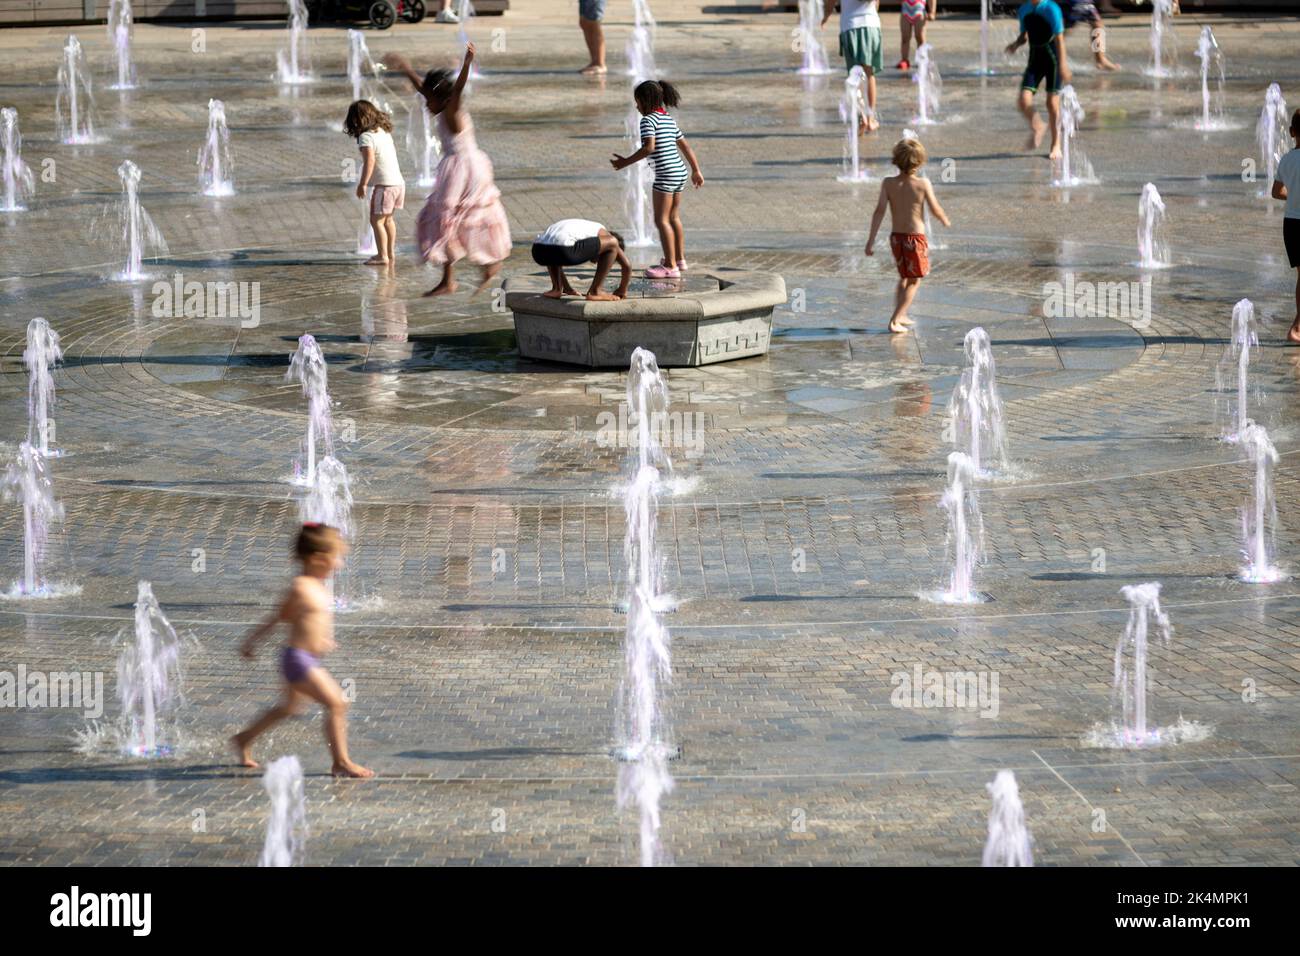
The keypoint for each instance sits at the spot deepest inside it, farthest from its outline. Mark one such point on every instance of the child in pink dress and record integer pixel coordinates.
(463, 217)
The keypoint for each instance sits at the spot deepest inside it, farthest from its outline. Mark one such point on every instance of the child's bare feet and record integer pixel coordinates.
(601, 297)
(1038, 130)
(873, 124)
(1055, 154)
(445, 287)
(1106, 63)
(900, 324)
(376, 261)
(489, 273)
(1293, 333)
(553, 294)
(593, 69)
(350, 769)
(241, 749)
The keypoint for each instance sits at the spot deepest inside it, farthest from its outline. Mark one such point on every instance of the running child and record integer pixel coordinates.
(373, 131)
(861, 44)
(906, 196)
(308, 610)
(463, 217)
(661, 138)
(571, 242)
(1080, 11)
(912, 18)
(1286, 185)
(1043, 28)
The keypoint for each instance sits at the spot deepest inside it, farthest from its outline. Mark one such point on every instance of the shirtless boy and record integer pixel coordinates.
(308, 609)
(906, 195)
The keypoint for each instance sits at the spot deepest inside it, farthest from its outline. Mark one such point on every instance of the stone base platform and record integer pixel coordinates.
(714, 316)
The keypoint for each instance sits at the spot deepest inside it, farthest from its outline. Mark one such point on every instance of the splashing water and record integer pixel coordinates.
(138, 232)
(307, 367)
(15, 175)
(1211, 57)
(1009, 842)
(809, 38)
(40, 356)
(1073, 168)
(853, 112)
(965, 541)
(639, 177)
(984, 38)
(120, 27)
(1130, 727)
(644, 777)
(1164, 47)
(366, 75)
(75, 103)
(464, 12)
(1153, 250)
(975, 408)
(422, 142)
(149, 678)
(929, 86)
(27, 481)
(286, 827)
(293, 63)
(1271, 133)
(1259, 514)
(329, 501)
(1237, 357)
(215, 166)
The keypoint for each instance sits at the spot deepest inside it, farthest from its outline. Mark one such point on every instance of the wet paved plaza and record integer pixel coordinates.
(489, 536)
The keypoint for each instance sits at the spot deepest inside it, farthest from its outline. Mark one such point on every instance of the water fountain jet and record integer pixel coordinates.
(215, 166)
(149, 678)
(929, 86)
(853, 112)
(965, 542)
(75, 103)
(1009, 842)
(809, 35)
(1073, 168)
(1272, 134)
(286, 828)
(18, 182)
(1259, 514)
(293, 62)
(1211, 57)
(307, 367)
(120, 26)
(645, 747)
(40, 356)
(138, 232)
(1153, 250)
(27, 481)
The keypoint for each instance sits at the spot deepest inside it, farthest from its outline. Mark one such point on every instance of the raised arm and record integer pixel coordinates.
(453, 101)
(399, 63)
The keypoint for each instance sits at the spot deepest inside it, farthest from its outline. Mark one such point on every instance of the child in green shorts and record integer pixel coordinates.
(861, 45)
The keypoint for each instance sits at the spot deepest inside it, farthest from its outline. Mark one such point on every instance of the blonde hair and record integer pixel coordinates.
(909, 155)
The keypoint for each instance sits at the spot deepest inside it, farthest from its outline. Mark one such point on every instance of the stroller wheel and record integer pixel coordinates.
(382, 14)
(413, 11)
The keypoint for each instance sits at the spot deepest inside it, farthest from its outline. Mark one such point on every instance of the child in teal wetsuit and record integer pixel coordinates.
(1043, 27)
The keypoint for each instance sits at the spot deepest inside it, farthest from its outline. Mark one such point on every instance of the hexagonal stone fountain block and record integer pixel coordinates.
(714, 315)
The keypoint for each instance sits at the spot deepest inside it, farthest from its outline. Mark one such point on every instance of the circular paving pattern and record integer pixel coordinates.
(487, 521)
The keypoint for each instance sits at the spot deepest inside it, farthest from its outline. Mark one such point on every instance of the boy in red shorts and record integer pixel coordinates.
(906, 195)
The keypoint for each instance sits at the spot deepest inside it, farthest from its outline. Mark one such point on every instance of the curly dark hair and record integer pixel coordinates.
(364, 116)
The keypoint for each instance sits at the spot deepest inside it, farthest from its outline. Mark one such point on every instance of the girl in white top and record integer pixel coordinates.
(373, 131)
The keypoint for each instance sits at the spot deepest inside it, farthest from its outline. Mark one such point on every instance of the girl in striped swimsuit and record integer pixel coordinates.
(661, 139)
(912, 16)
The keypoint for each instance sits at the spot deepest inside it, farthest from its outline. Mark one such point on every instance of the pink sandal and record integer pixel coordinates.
(662, 272)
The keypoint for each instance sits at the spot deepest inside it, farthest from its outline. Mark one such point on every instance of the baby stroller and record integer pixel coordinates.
(382, 14)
